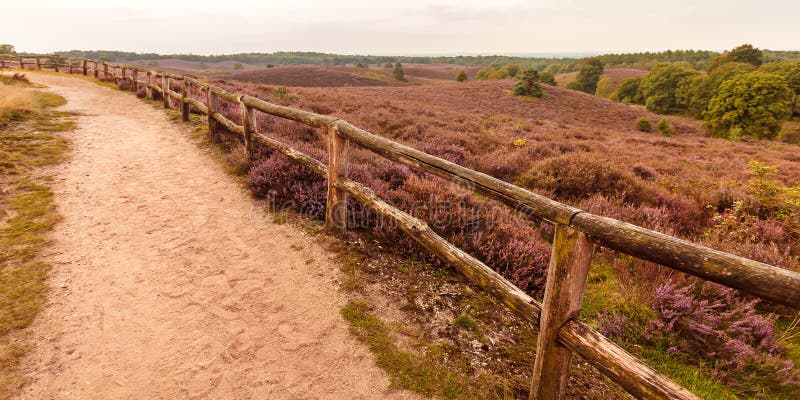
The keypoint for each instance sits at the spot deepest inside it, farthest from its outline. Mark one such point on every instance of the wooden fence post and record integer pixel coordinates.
(21, 63)
(249, 125)
(563, 295)
(2, 61)
(69, 65)
(184, 103)
(148, 88)
(105, 71)
(96, 71)
(213, 125)
(55, 63)
(135, 77)
(84, 67)
(336, 209)
(38, 64)
(165, 88)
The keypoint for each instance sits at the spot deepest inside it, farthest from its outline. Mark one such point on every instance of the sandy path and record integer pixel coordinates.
(164, 288)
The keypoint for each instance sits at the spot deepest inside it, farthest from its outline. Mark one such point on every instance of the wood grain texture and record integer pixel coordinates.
(563, 296)
(336, 208)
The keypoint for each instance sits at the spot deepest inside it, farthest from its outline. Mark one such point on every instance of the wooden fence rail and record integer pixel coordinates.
(576, 232)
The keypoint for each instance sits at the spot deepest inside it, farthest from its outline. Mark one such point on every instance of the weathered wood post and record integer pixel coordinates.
(38, 64)
(122, 73)
(336, 209)
(249, 125)
(84, 67)
(69, 65)
(135, 77)
(148, 88)
(105, 71)
(165, 88)
(213, 124)
(55, 63)
(184, 103)
(96, 71)
(563, 295)
(21, 63)
(2, 61)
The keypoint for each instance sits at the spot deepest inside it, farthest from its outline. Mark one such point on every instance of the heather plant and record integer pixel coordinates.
(714, 326)
(754, 104)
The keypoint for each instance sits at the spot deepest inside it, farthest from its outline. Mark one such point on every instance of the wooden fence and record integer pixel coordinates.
(576, 232)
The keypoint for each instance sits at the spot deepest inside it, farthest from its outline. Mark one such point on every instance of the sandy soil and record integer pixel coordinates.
(166, 286)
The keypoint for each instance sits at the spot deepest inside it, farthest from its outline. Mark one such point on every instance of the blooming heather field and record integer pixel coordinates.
(587, 152)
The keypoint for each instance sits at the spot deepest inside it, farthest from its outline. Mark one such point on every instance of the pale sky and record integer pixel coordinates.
(399, 26)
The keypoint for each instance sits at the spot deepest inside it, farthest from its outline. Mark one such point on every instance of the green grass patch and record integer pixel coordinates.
(423, 373)
(27, 214)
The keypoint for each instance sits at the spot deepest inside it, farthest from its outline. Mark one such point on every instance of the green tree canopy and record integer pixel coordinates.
(754, 104)
(528, 84)
(695, 92)
(6, 48)
(628, 90)
(589, 75)
(791, 73)
(658, 88)
(745, 53)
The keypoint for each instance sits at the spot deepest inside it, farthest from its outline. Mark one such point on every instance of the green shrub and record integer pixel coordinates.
(665, 127)
(605, 87)
(588, 76)
(461, 77)
(628, 91)
(482, 75)
(398, 73)
(512, 69)
(238, 66)
(644, 125)
(528, 84)
(547, 78)
(388, 65)
(283, 94)
(754, 104)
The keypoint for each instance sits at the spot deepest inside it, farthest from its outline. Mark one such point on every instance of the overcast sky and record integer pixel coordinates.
(398, 26)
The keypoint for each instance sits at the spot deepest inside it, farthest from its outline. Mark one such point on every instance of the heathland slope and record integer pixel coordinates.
(741, 197)
(170, 283)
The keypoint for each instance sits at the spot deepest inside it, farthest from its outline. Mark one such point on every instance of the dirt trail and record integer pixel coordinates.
(165, 288)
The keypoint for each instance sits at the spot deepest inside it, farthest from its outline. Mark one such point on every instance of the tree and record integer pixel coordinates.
(589, 75)
(628, 91)
(6, 48)
(695, 92)
(754, 104)
(547, 78)
(398, 73)
(360, 65)
(791, 73)
(528, 84)
(461, 77)
(238, 66)
(745, 53)
(512, 70)
(605, 87)
(658, 88)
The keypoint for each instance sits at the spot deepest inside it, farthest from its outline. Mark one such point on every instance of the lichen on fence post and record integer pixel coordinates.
(563, 295)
